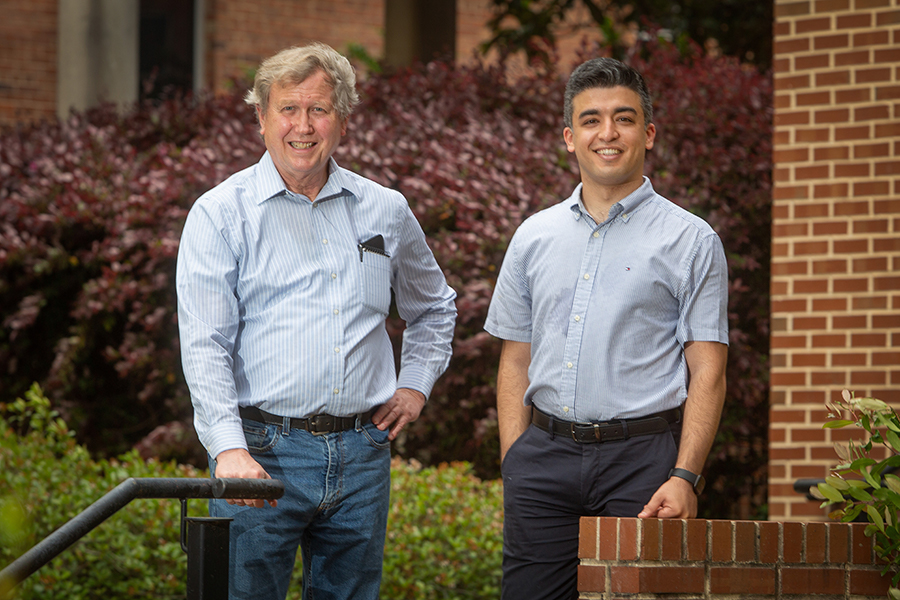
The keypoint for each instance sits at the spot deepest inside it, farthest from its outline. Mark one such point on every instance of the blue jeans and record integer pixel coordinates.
(335, 506)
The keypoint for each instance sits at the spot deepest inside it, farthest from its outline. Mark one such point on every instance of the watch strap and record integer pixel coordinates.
(696, 481)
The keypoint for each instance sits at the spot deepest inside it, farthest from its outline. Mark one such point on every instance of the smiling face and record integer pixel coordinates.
(610, 138)
(302, 130)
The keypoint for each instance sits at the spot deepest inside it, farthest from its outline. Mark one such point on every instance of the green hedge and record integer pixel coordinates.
(444, 531)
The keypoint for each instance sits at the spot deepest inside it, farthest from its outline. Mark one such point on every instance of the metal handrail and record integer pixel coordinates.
(130, 489)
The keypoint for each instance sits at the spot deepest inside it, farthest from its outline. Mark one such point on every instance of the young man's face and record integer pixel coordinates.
(302, 130)
(609, 137)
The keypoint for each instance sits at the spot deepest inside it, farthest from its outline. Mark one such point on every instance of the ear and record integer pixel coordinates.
(344, 126)
(651, 136)
(569, 137)
(262, 120)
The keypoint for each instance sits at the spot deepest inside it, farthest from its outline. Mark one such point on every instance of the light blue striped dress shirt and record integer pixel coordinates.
(608, 308)
(280, 308)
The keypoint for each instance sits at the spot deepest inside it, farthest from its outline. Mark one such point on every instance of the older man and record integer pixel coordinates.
(284, 280)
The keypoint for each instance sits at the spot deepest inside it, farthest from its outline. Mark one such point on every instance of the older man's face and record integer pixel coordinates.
(302, 129)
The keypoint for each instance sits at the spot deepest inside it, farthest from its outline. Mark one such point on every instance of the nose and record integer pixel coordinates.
(302, 122)
(607, 131)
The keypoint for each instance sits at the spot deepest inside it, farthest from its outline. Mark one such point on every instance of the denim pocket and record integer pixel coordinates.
(375, 275)
(376, 437)
(260, 437)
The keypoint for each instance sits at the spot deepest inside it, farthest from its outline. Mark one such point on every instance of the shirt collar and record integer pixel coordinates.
(624, 207)
(270, 184)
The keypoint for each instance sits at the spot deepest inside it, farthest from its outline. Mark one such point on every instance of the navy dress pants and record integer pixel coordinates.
(550, 482)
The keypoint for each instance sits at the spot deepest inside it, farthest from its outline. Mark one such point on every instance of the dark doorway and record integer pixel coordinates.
(419, 30)
(166, 48)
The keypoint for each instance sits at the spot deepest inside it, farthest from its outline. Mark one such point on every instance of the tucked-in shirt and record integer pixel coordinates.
(608, 308)
(282, 302)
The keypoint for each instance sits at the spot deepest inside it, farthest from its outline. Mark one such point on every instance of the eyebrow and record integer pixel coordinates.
(619, 109)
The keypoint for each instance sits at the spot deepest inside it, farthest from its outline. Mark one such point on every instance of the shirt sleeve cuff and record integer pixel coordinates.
(417, 378)
(226, 436)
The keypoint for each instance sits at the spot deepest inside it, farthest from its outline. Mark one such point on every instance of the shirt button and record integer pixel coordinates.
(324, 241)
(569, 365)
(334, 275)
(337, 391)
(596, 234)
(336, 349)
(565, 409)
(336, 311)
(586, 276)
(577, 318)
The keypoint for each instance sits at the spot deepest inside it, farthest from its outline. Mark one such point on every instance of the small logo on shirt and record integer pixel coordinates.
(627, 268)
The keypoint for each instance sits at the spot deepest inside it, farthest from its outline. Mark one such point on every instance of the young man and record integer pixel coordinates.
(612, 310)
(284, 280)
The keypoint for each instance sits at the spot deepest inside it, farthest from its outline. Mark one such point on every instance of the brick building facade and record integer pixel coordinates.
(836, 229)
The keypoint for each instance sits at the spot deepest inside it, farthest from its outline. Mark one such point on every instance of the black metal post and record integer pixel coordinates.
(207, 567)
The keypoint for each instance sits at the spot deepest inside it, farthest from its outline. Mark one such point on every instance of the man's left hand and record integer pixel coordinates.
(404, 407)
(675, 499)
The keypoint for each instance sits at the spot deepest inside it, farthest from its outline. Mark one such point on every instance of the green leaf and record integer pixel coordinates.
(893, 439)
(875, 518)
(851, 513)
(870, 479)
(830, 493)
(863, 463)
(859, 494)
(837, 424)
(893, 482)
(837, 483)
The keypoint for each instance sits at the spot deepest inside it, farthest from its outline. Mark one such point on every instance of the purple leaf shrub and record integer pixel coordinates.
(91, 211)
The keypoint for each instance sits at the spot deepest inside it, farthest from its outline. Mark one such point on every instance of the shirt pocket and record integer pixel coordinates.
(375, 275)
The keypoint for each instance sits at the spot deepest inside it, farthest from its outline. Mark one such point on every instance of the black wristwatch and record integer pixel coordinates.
(695, 480)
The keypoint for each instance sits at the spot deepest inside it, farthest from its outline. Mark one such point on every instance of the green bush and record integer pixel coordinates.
(872, 487)
(444, 530)
(47, 479)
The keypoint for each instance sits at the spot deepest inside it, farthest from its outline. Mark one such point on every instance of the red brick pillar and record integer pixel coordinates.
(836, 228)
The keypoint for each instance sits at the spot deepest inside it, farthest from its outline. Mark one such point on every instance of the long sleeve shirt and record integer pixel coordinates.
(282, 302)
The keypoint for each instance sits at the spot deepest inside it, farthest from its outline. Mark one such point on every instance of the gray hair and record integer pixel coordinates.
(606, 73)
(295, 65)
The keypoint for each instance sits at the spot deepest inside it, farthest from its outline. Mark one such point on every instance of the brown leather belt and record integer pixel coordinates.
(607, 431)
(316, 424)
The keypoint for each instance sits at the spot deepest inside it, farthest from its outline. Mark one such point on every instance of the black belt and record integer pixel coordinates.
(316, 425)
(607, 431)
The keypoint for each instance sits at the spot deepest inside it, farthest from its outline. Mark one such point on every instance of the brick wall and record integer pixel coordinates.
(240, 33)
(836, 228)
(28, 61)
(719, 560)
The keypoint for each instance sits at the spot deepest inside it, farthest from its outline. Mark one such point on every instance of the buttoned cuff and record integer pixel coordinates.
(416, 377)
(225, 436)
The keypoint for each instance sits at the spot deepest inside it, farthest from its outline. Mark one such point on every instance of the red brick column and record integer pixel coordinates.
(28, 61)
(241, 34)
(712, 560)
(836, 228)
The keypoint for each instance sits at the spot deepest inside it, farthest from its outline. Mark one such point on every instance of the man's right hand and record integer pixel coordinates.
(239, 464)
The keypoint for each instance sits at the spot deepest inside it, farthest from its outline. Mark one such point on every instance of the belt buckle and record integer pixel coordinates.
(583, 429)
(321, 424)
